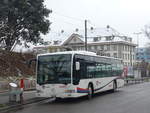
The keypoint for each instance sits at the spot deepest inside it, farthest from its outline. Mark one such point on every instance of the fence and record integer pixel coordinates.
(28, 85)
(136, 80)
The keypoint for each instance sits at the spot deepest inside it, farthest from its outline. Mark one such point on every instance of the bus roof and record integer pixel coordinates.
(78, 52)
(71, 52)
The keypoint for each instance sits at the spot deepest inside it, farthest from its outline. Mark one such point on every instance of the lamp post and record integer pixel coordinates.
(85, 35)
(138, 33)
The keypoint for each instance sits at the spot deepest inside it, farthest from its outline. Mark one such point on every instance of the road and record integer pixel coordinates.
(130, 99)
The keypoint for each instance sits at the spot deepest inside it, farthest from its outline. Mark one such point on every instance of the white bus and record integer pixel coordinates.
(76, 73)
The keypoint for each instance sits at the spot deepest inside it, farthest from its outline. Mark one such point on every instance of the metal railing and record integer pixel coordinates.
(28, 85)
(129, 81)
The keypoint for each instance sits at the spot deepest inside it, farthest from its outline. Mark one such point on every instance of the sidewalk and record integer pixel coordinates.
(29, 98)
(4, 97)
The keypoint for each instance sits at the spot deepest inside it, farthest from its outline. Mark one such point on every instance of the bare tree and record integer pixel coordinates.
(147, 31)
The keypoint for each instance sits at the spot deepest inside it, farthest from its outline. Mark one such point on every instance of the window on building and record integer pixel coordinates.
(89, 48)
(124, 63)
(102, 47)
(79, 48)
(114, 47)
(108, 54)
(108, 47)
(128, 48)
(82, 48)
(74, 39)
(98, 47)
(122, 56)
(95, 48)
(126, 56)
(115, 55)
(125, 48)
(74, 48)
(133, 49)
(105, 47)
(92, 47)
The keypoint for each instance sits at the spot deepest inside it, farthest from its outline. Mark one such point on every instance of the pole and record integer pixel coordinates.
(138, 33)
(131, 56)
(85, 35)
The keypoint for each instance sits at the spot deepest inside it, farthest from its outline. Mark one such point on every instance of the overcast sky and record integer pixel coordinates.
(126, 16)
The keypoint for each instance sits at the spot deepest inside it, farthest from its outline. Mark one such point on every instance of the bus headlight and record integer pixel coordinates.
(69, 91)
(39, 91)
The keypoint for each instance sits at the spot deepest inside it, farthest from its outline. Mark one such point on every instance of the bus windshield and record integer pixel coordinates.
(53, 69)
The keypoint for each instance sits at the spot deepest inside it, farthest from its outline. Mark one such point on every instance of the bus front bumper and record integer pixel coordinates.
(61, 95)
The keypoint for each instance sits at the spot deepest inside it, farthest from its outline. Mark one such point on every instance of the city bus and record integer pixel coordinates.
(74, 74)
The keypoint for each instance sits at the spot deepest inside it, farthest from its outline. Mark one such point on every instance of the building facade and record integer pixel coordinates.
(124, 50)
(143, 54)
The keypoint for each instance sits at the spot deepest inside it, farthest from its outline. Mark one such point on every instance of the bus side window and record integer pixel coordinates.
(119, 69)
(114, 70)
(80, 74)
(108, 70)
(82, 69)
(100, 70)
(90, 70)
(104, 72)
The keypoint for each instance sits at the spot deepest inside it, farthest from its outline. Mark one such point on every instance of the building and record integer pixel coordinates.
(104, 42)
(143, 54)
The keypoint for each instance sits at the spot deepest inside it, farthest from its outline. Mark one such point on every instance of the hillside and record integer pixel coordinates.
(14, 64)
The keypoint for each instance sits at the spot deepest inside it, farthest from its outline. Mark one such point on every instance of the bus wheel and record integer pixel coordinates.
(90, 91)
(114, 86)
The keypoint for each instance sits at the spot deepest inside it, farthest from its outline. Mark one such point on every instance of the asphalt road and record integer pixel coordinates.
(130, 99)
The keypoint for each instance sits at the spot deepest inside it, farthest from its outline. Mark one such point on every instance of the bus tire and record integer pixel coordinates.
(90, 91)
(114, 86)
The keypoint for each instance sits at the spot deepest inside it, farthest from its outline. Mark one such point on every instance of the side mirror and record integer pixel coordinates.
(77, 66)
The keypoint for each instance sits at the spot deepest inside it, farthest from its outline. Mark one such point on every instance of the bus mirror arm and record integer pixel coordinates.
(29, 62)
(65, 83)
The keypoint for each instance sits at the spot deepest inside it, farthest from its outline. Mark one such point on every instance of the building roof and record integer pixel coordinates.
(95, 36)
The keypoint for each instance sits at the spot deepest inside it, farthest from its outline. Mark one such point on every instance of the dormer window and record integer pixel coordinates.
(74, 39)
(108, 38)
(95, 39)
